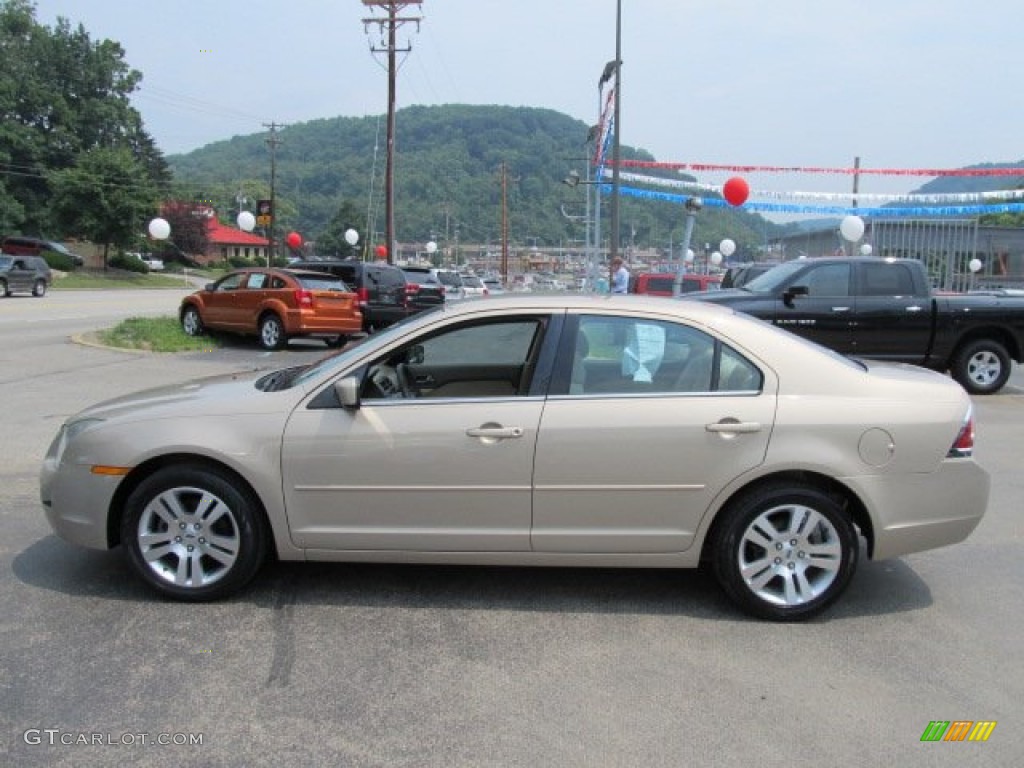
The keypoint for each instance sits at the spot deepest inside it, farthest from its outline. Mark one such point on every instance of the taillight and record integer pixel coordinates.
(411, 289)
(363, 294)
(963, 446)
(303, 297)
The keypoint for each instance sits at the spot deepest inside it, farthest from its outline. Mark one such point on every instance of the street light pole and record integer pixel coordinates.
(618, 130)
(692, 205)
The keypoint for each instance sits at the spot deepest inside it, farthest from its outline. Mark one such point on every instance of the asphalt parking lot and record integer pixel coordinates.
(360, 665)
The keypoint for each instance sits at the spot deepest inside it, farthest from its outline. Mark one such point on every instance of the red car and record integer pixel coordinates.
(274, 305)
(660, 283)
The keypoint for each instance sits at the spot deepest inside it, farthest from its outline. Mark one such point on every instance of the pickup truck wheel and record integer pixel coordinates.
(39, 288)
(785, 552)
(982, 366)
(3, 288)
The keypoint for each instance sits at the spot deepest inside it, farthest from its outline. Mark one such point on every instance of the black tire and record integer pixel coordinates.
(981, 366)
(764, 546)
(272, 335)
(336, 342)
(192, 322)
(193, 534)
(39, 288)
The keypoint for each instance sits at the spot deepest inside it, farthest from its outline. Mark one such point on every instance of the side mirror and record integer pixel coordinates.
(792, 292)
(208, 287)
(347, 390)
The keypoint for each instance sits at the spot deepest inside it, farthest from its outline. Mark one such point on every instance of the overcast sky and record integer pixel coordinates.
(901, 84)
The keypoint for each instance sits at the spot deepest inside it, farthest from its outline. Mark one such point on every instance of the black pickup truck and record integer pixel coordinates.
(885, 309)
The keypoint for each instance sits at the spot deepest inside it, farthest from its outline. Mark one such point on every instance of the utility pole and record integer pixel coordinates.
(504, 225)
(389, 44)
(273, 143)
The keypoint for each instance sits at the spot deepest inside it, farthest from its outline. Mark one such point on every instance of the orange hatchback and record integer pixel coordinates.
(274, 305)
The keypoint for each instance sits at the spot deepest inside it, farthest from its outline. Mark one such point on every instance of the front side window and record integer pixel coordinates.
(827, 280)
(624, 355)
(230, 283)
(494, 358)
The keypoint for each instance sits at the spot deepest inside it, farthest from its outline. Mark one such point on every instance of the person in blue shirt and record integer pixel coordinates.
(619, 276)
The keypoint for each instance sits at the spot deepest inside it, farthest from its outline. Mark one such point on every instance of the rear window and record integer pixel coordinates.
(421, 278)
(450, 278)
(317, 283)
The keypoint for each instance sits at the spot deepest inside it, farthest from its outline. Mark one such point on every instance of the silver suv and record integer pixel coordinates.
(30, 274)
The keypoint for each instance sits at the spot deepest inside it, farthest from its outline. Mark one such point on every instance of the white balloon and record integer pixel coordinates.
(431, 247)
(716, 258)
(866, 249)
(727, 247)
(246, 221)
(975, 265)
(852, 228)
(689, 254)
(159, 229)
(351, 236)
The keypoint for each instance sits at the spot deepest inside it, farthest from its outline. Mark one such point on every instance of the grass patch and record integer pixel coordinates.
(154, 334)
(89, 280)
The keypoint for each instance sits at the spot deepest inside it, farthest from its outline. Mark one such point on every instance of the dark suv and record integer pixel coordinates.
(24, 273)
(380, 287)
(425, 290)
(33, 246)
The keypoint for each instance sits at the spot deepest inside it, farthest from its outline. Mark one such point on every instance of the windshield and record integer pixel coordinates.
(775, 277)
(338, 359)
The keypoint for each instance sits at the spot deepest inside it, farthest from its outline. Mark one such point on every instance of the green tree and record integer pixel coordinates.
(106, 197)
(331, 242)
(62, 95)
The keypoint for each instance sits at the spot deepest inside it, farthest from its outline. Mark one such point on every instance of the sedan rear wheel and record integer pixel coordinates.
(193, 534)
(272, 334)
(785, 552)
(191, 322)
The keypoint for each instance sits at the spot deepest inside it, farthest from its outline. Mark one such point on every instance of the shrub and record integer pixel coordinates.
(58, 261)
(129, 263)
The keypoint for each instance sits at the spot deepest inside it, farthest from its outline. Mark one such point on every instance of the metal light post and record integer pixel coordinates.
(692, 205)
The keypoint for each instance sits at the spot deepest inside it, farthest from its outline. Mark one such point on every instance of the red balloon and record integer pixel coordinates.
(294, 239)
(382, 251)
(736, 191)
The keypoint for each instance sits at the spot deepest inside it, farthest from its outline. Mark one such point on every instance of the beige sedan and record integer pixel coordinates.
(534, 430)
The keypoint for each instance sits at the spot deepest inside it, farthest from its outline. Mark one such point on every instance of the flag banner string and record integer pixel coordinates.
(706, 167)
(934, 199)
(880, 213)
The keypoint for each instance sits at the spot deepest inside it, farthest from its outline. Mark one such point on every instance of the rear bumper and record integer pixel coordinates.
(913, 513)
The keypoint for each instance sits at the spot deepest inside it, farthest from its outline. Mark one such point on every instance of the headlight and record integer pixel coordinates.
(69, 431)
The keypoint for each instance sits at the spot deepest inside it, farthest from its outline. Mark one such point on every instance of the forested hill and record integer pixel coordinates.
(448, 178)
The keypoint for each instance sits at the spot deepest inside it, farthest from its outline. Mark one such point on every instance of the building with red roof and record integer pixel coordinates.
(227, 242)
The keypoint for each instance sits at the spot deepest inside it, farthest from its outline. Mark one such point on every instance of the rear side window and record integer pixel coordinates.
(885, 279)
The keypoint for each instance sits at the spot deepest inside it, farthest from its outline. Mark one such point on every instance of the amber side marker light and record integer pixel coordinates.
(102, 469)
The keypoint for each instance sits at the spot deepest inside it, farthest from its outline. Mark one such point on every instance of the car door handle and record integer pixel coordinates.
(840, 309)
(495, 432)
(423, 379)
(734, 426)
(914, 309)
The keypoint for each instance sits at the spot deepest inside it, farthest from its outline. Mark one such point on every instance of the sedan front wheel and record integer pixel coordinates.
(785, 552)
(193, 534)
(191, 322)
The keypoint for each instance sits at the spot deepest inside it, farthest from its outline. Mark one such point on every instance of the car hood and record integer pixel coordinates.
(225, 394)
